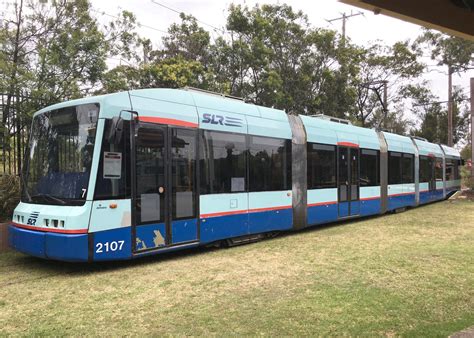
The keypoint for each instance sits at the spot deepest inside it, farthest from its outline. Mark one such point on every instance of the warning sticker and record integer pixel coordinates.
(112, 165)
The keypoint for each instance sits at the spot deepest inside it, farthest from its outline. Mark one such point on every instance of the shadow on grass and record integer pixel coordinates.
(53, 268)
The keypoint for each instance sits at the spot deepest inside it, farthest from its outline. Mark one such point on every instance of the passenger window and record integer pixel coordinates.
(449, 170)
(269, 164)
(111, 184)
(369, 168)
(457, 169)
(408, 168)
(425, 169)
(321, 166)
(223, 162)
(394, 168)
(439, 169)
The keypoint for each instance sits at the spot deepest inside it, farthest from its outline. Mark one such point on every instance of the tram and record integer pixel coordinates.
(148, 171)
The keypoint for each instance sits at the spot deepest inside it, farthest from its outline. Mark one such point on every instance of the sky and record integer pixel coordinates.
(362, 29)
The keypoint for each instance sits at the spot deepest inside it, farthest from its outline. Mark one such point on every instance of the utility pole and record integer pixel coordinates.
(450, 106)
(344, 17)
(472, 129)
(385, 104)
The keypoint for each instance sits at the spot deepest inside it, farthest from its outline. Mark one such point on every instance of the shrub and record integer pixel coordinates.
(467, 179)
(9, 195)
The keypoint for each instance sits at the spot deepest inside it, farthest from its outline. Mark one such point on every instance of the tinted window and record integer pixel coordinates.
(110, 183)
(425, 169)
(269, 164)
(394, 168)
(321, 166)
(457, 169)
(369, 168)
(183, 155)
(408, 168)
(439, 169)
(223, 162)
(150, 171)
(449, 170)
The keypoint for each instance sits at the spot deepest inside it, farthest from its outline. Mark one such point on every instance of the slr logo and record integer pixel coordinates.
(32, 219)
(221, 120)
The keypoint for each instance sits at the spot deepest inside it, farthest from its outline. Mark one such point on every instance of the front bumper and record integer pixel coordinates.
(48, 245)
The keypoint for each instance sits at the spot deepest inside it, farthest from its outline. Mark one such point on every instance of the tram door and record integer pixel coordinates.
(165, 194)
(348, 181)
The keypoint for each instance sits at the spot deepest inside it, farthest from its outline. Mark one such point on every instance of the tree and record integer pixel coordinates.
(393, 66)
(455, 53)
(276, 59)
(434, 116)
(187, 40)
(52, 51)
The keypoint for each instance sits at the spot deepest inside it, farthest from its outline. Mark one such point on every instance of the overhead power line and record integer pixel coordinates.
(439, 102)
(138, 22)
(179, 12)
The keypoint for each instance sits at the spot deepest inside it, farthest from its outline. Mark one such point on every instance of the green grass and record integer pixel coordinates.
(409, 274)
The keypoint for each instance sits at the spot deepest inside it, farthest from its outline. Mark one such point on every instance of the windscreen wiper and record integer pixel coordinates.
(50, 197)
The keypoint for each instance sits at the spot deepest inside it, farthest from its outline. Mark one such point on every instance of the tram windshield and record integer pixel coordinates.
(58, 160)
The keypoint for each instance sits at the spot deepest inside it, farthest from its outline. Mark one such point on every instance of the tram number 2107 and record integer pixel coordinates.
(109, 246)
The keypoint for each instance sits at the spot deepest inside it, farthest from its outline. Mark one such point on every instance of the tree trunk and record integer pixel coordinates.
(12, 88)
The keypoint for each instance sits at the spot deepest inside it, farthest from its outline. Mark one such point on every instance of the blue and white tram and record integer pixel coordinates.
(147, 171)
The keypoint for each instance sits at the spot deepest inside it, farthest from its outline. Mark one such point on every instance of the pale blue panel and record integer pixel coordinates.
(215, 203)
(74, 217)
(395, 189)
(346, 136)
(92, 99)
(222, 121)
(450, 184)
(272, 114)
(112, 104)
(424, 187)
(322, 195)
(450, 152)
(164, 94)
(368, 192)
(223, 104)
(268, 199)
(399, 143)
(324, 131)
(270, 128)
(427, 148)
(369, 141)
(164, 109)
(439, 184)
(409, 188)
(104, 218)
(318, 135)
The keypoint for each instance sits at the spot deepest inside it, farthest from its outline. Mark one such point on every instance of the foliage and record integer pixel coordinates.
(450, 51)
(466, 152)
(434, 116)
(393, 65)
(467, 180)
(9, 195)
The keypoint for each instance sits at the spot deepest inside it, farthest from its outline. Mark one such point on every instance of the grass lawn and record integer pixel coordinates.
(406, 274)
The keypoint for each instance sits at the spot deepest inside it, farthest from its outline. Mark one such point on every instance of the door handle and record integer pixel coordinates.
(161, 190)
